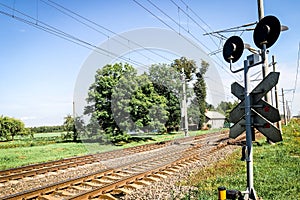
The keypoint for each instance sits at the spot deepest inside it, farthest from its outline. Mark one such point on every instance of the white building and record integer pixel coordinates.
(214, 119)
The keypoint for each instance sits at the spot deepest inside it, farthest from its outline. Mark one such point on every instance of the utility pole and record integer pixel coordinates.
(276, 92)
(74, 124)
(260, 5)
(73, 109)
(288, 111)
(184, 117)
(283, 103)
(265, 70)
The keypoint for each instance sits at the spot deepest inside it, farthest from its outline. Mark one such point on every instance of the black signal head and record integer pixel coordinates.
(233, 49)
(266, 31)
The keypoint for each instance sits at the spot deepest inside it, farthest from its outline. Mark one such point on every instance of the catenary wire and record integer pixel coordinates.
(209, 27)
(65, 10)
(203, 29)
(64, 35)
(169, 26)
(297, 71)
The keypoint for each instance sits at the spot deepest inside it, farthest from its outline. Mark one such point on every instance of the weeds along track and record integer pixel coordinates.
(131, 171)
(53, 166)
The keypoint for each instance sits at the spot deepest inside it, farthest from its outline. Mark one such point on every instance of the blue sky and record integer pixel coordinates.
(38, 70)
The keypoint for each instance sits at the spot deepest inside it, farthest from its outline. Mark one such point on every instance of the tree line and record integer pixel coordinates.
(121, 101)
(47, 129)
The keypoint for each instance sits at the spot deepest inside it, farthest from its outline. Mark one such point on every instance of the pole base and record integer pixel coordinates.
(250, 194)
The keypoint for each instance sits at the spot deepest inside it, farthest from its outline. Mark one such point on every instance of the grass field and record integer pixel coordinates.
(50, 146)
(15, 157)
(276, 170)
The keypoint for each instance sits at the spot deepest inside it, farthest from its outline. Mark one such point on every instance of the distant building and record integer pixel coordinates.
(214, 119)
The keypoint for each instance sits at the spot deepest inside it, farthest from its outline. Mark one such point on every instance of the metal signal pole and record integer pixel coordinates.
(249, 134)
(249, 157)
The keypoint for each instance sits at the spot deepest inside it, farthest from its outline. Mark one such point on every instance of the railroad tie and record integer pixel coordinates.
(107, 197)
(122, 190)
(64, 193)
(79, 188)
(172, 169)
(134, 186)
(160, 176)
(143, 182)
(49, 197)
(92, 184)
(151, 179)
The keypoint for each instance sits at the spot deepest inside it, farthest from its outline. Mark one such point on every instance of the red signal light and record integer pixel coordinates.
(267, 125)
(267, 109)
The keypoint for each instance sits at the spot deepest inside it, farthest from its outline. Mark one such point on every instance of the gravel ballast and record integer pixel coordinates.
(170, 188)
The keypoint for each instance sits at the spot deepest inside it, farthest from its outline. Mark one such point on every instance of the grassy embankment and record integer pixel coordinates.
(50, 146)
(276, 170)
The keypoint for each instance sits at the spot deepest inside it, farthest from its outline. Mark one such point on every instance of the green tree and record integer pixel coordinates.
(148, 107)
(73, 127)
(120, 101)
(189, 67)
(69, 123)
(100, 96)
(226, 107)
(167, 83)
(10, 127)
(193, 112)
(198, 104)
(200, 92)
(137, 106)
(4, 129)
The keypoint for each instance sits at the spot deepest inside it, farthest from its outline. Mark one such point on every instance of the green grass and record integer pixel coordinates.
(38, 139)
(43, 135)
(276, 170)
(15, 157)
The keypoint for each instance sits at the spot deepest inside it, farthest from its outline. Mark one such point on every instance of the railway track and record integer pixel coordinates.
(53, 166)
(122, 178)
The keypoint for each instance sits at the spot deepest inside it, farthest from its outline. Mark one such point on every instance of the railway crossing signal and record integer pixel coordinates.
(260, 123)
(253, 112)
(262, 107)
(263, 113)
(259, 105)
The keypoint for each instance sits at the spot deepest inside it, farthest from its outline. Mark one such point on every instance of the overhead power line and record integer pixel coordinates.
(35, 22)
(297, 71)
(57, 32)
(219, 46)
(183, 28)
(77, 17)
(179, 25)
(193, 20)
